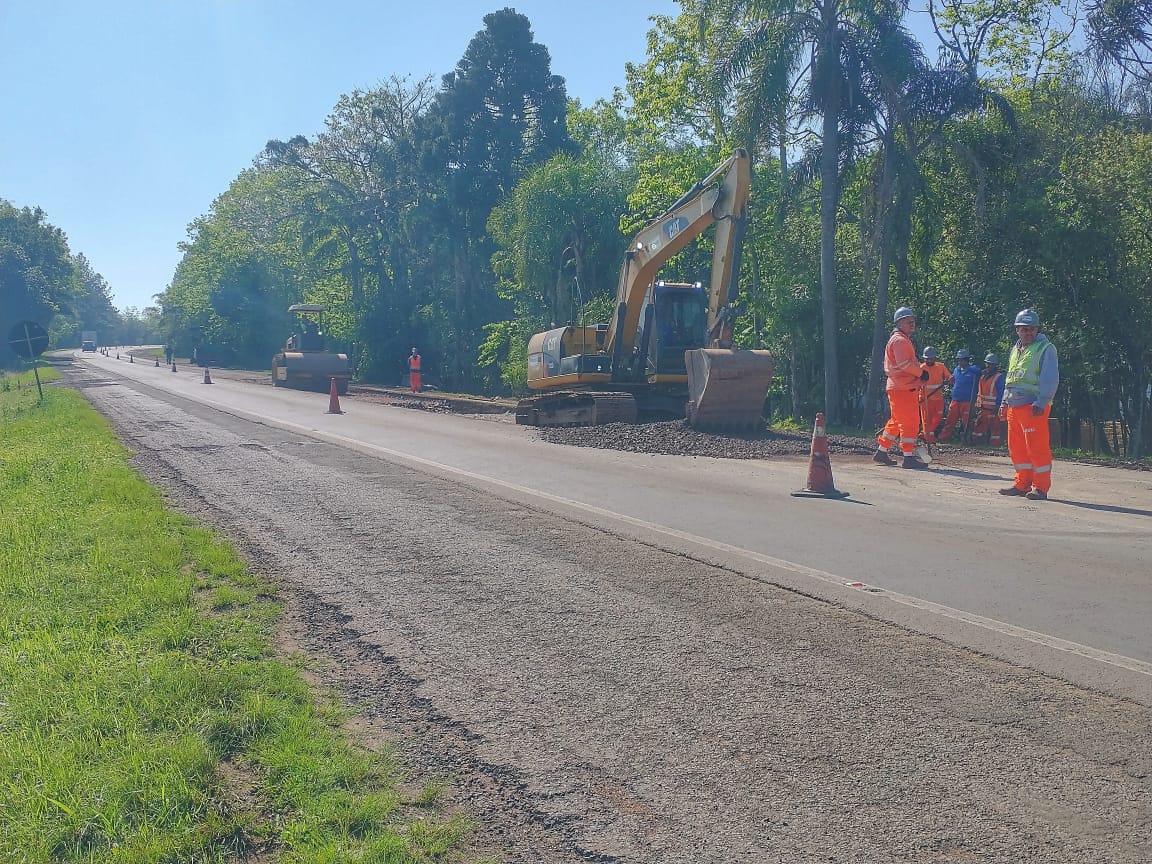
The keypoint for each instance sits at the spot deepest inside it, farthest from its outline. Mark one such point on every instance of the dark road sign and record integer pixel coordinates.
(28, 339)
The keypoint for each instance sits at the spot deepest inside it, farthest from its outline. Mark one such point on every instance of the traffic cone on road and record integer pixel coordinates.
(207, 377)
(820, 483)
(333, 400)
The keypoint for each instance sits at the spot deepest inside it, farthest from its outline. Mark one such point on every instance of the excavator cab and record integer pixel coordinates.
(305, 363)
(679, 323)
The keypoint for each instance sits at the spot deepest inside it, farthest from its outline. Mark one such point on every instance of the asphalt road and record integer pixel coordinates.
(666, 659)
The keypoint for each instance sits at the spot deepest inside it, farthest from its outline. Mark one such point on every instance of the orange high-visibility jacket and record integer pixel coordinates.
(991, 391)
(900, 363)
(938, 376)
(414, 363)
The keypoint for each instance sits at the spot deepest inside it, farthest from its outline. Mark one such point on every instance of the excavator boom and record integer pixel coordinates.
(709, 202)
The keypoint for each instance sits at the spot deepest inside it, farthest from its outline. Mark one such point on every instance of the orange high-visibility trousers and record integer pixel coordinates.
(1029, 448)
(988, 421)
(957, 414)
(414, 379)
(903, 426)
(933, 414)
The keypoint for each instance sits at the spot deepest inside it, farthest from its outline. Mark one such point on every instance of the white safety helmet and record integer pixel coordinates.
(1027, 318)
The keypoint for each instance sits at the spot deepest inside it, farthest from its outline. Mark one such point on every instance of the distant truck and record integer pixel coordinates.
(88, 340)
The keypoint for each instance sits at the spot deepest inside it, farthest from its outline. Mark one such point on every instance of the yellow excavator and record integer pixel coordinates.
(305, 364)
(668, 352)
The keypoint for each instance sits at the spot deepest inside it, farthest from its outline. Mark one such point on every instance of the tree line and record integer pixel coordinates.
(1007, 164)
(43, 280)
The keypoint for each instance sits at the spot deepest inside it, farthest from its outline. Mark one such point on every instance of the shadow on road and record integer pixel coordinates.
(1105, 508)
(968, 475)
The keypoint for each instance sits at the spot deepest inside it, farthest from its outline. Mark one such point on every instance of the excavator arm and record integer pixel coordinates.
(721, 198)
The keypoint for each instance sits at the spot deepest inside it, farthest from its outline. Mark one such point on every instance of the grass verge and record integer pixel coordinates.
(143, 714)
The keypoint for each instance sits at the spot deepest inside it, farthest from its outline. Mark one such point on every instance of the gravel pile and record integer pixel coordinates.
(677, 438)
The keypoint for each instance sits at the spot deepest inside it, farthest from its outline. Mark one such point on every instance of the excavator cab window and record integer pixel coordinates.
(680, 323)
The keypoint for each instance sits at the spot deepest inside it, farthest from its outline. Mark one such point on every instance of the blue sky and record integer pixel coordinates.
(123, 120)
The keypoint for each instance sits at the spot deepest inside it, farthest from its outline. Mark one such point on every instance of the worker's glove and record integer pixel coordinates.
(924, 375)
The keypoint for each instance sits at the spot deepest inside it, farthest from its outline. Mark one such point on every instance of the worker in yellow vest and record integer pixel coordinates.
(1029, 388)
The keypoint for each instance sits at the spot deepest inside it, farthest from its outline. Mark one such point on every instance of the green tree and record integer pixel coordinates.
(824, 51)
(37, 274)
(91, 309)
(498, 114)
(358, 183)
(241, 268)
(1105, 198)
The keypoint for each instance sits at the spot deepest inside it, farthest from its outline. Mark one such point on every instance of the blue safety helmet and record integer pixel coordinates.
(902, 313)
(963, 354)
(1027, 318)
(929, 353)
(993, 359)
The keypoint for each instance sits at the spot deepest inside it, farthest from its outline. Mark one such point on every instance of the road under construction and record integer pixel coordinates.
(620, 654)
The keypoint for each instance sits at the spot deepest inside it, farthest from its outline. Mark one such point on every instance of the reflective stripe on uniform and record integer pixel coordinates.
(1041, 469)
(1025, 466)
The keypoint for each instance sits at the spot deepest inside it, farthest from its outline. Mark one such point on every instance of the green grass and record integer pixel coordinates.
(143, 714)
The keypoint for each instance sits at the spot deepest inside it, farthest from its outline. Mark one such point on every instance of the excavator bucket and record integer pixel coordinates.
(727, 388)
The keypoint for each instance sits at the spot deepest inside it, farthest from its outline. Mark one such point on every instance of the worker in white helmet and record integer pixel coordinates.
(1029, 388)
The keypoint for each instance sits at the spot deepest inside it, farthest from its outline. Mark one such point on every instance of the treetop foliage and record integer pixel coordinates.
(1004, 165)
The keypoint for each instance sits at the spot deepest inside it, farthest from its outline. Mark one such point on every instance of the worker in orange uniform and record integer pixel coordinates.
(904, 379)
(1029, 388)
(932, 393)
(990, 393)
(414, 380)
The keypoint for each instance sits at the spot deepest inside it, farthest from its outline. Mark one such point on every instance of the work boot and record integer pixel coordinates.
(910, 461)
(1037, 495)
(881, 457)
(1013, 490)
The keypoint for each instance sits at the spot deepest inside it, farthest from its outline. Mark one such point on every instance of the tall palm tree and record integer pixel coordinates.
(817, 55)
(914, 104)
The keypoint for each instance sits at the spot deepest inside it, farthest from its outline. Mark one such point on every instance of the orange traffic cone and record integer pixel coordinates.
(207, 377)
(333, 400)
(820, 483)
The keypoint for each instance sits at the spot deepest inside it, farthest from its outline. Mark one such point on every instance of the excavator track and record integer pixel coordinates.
(576, 408)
